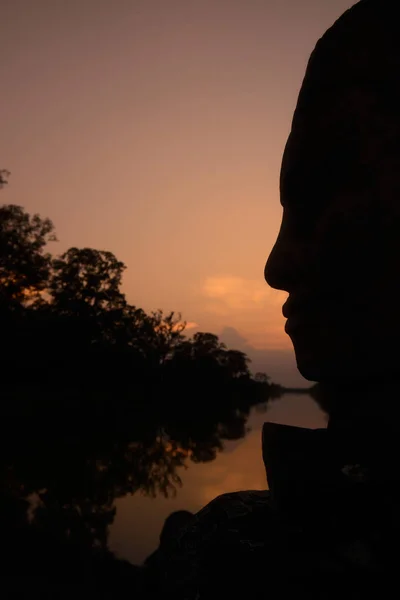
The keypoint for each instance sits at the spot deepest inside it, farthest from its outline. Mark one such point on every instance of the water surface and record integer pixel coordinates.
(139, 518)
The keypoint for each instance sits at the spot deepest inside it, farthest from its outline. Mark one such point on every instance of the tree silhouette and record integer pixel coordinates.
(67, 318)
(24, 264)
(86, 281)
(4, 174)
(207, 360)
(261, 377)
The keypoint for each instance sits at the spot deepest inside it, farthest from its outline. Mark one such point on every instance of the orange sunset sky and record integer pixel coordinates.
(155, 129)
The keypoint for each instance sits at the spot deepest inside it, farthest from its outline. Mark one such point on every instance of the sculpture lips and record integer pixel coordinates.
(297, 322)
(299, 313)
(295, 305)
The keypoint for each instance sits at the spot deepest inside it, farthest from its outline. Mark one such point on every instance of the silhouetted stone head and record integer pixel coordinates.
(338, 249)
(173, 524)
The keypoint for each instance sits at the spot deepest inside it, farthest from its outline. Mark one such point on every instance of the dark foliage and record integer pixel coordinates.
(99, 400)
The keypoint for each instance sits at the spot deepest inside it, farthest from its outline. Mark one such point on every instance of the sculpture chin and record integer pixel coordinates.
(346, 370)
(330, 367)
(310, 362)
(309, 371)
(318, 363)
(326, 354)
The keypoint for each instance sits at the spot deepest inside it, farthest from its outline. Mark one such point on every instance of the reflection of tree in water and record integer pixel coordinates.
(61, 477)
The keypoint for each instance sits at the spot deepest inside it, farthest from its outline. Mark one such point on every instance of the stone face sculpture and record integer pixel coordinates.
(338, 251)
(328, 526)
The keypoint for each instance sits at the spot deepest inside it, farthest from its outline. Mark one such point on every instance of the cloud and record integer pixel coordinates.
(189, 325)
(252, 306)
(228, 293)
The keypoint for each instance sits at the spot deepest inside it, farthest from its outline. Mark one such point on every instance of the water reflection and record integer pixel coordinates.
(136, 529)
(69, 466)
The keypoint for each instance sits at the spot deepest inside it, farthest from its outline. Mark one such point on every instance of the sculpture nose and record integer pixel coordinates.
(287, 265)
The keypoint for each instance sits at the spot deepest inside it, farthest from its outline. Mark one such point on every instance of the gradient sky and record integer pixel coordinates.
(155, 129)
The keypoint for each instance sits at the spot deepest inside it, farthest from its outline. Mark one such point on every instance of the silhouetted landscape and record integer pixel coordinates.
(99, 400)
(136, 455)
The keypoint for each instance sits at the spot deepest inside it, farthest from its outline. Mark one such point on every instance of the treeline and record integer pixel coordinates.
(65, 319)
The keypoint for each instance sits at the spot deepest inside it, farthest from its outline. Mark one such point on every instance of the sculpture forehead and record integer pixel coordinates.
(348, 110)
(362, 45)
